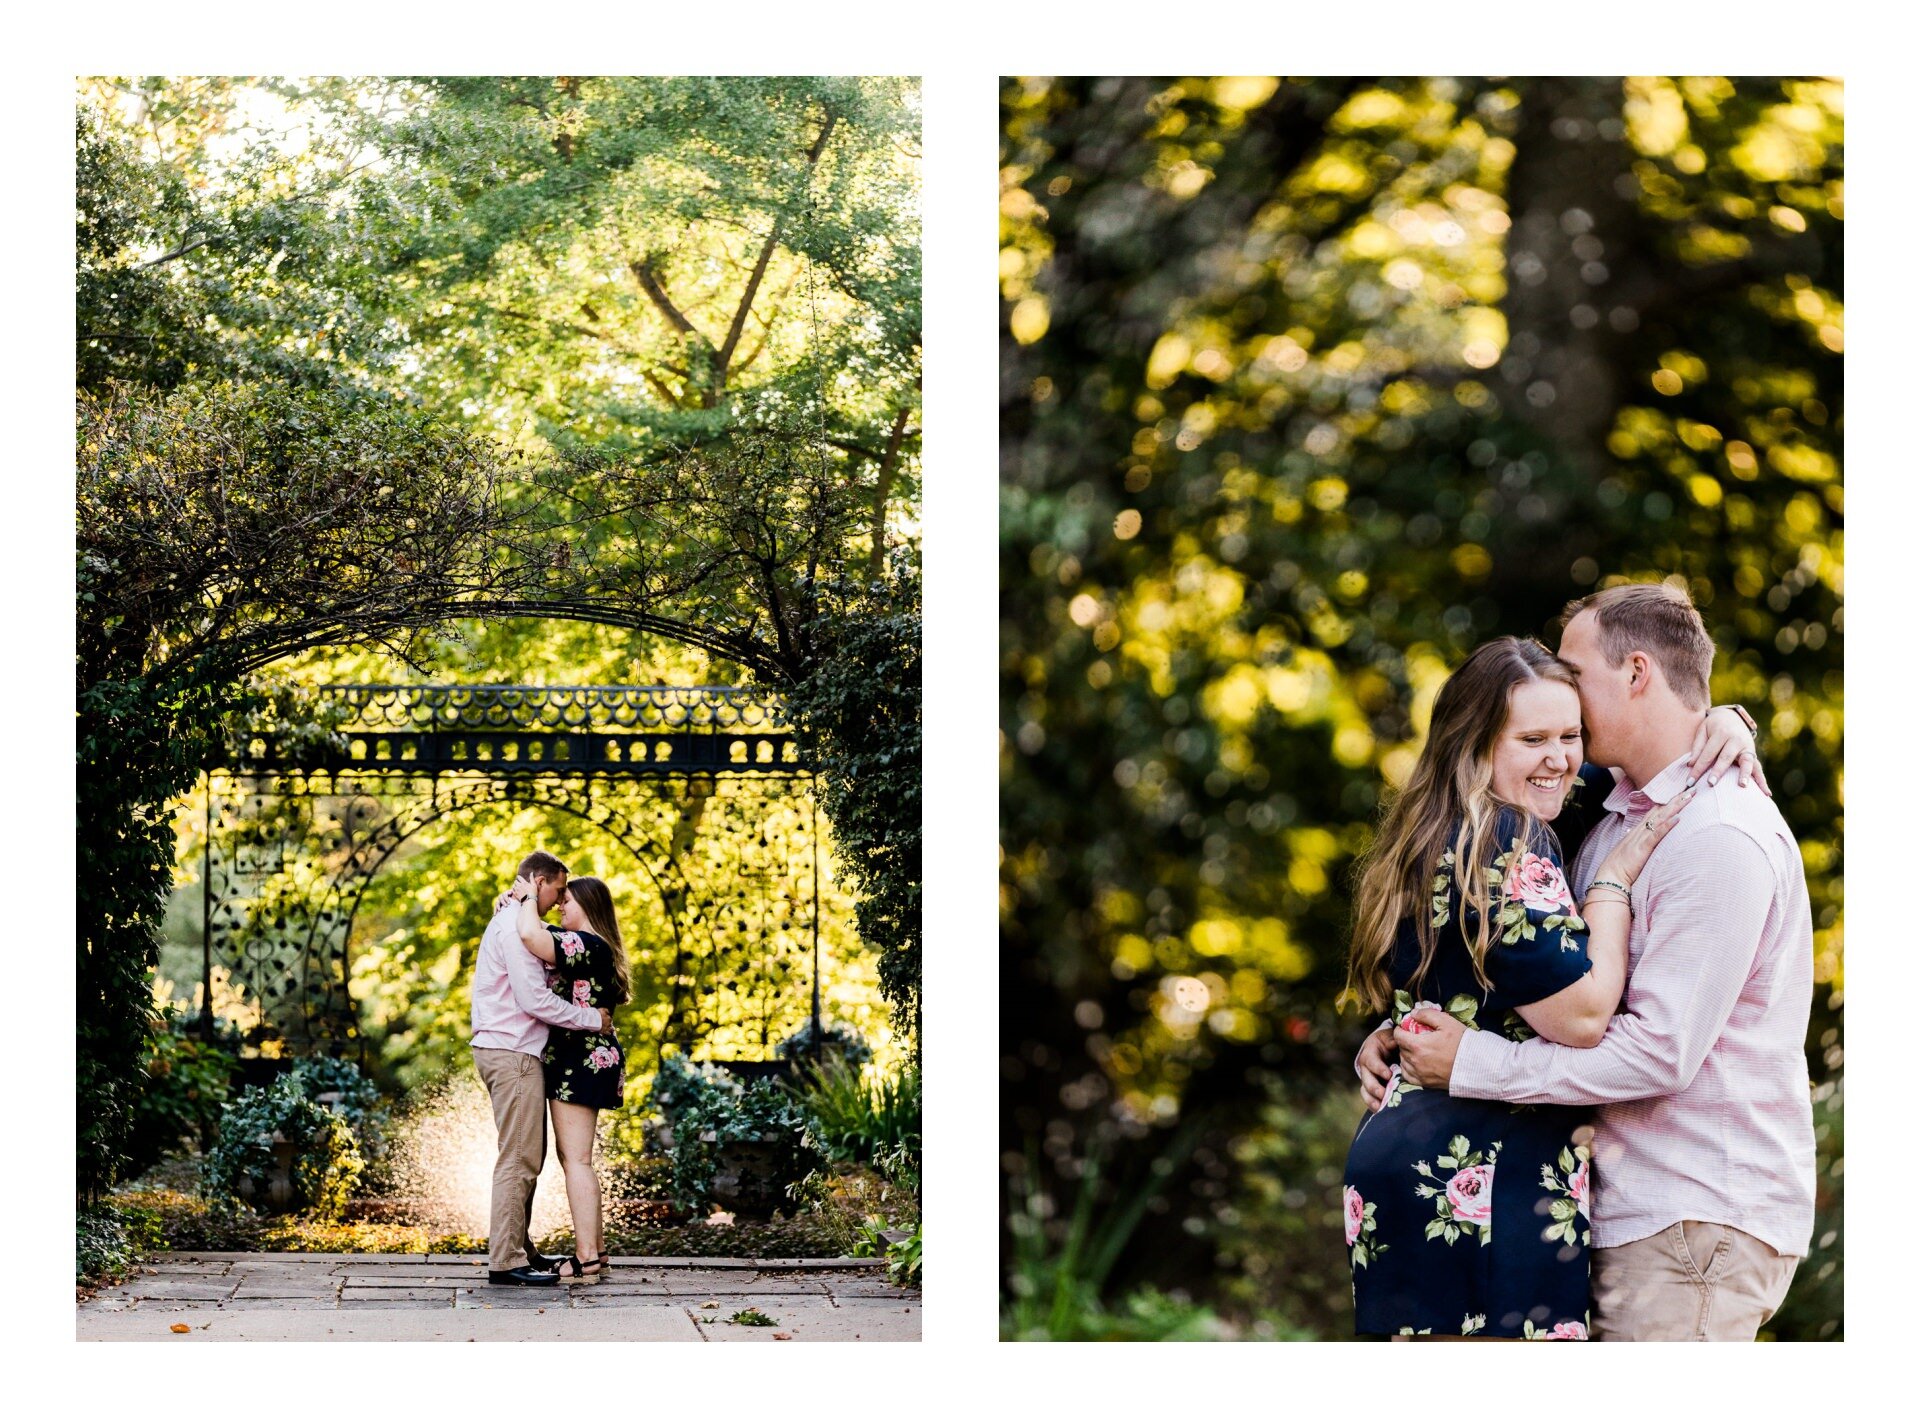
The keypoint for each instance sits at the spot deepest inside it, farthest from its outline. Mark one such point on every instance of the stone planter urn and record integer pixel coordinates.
(274, 1192)
(746, 1179)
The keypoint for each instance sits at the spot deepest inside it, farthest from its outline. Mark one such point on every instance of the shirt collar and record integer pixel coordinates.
(1663, 787)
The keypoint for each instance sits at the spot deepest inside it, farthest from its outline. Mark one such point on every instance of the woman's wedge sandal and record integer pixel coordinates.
(574, 1271)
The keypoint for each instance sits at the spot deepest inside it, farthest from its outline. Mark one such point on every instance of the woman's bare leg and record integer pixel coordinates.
(573, 1134)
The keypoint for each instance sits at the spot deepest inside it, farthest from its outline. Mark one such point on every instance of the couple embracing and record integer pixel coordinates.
(544, 1046)
(1589, 1112)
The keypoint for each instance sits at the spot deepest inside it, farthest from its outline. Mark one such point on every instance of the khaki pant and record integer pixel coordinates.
(517, 1086)
(1696, 1280)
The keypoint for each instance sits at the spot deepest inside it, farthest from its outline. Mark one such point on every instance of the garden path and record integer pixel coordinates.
(247, 1295)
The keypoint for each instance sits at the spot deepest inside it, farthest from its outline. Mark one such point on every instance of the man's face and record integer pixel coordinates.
(549, 890)
(1604, 704)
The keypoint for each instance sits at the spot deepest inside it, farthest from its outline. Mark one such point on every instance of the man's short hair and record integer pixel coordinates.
(1660, 621)
(542, 864)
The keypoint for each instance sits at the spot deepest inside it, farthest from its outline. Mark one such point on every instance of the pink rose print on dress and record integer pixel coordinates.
(583, 992)
(1394, 1084)
(570, 944)
(1356, 1213)
(1463, 1206)
(1536, 883)
(1414, 1026)
(1568, 1182)
(1470, 1194)
(603, 1057)
(1568, 1329)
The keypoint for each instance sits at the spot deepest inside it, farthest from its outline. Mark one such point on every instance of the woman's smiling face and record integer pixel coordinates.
(1538, 750)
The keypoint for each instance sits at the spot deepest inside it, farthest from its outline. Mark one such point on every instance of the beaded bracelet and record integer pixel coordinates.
(1619, 886)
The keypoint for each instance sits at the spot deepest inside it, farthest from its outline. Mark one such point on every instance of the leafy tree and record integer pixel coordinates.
(217, 534)
(1307, 387)
(726, 428)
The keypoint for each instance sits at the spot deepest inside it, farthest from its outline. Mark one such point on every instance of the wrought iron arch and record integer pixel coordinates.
(328, 959)
(598, 753)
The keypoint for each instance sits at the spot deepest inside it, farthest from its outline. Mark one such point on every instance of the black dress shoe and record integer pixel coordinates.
(522, 1275)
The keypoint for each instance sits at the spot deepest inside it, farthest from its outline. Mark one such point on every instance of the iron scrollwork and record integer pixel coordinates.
(703, 786)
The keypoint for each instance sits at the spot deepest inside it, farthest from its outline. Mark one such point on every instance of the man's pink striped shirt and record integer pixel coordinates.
(1704, 1108)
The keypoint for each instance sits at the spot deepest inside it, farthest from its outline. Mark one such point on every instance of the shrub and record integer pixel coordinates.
(109, 1238)
(858, 711)
(184, 1222)
(706, 1108)
(903, 1259)
(341, 1086)
(326, 1159)
(1278, 1239)
(188, 1082)
(807, 1050)
(850, 1120)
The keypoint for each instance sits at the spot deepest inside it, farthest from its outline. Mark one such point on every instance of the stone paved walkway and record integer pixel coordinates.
(239, 1295)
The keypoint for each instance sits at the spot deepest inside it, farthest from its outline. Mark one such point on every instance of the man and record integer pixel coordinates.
(512, 1009)
(1703, 1159)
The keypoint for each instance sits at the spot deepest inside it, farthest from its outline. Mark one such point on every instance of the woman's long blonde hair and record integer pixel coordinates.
(1446, 806)
(596, 902)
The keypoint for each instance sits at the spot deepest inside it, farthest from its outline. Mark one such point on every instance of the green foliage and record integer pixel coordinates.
(904, 1265)
(859, 711)
(1276, 1238)
(326, 1160)
(805, 1049)
(1307, 388)
(187, 1084)
(1815, 1307)
(187, 1221)
(140, 742)
(1061, 1261)
(751, 1317)
(341, 1086)
(705, 1108)
(216, 531)
(849, 1120)
(311, 315)
(111, 1238)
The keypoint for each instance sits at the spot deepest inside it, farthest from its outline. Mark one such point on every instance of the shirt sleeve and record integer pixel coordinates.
(528, 980)
(1705, 914)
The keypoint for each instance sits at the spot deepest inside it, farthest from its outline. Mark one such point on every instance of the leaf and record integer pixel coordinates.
(179, 1328)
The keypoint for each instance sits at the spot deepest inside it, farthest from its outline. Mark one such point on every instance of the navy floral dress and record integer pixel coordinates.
(1468, 1216)
(582, 1066)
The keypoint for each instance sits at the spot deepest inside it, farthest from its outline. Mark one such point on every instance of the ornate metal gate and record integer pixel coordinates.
(704, 787)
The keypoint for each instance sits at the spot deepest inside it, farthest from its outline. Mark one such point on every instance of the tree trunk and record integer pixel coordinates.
(1576, 237)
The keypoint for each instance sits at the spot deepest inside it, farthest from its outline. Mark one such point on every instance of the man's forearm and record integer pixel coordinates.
(1631, 1062)
(543, 1004)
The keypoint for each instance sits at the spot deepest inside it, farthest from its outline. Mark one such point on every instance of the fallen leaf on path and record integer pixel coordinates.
(777, 1334)
(179, 1328)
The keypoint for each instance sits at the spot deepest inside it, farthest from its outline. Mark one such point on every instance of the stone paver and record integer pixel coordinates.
(232, 1296)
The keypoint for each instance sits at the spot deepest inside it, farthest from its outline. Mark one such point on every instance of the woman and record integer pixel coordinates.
(588, 964)
(1464, 904)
